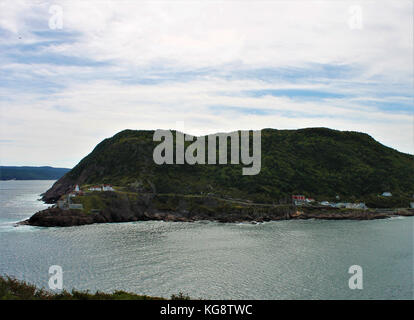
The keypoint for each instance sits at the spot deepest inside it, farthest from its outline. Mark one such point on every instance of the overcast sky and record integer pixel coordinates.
(216, 66)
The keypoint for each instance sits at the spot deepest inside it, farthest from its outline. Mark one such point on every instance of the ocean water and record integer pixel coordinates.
(273, 260)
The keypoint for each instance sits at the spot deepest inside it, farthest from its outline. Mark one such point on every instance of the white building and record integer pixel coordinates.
(349, 205)
(107, 187)
(340, 205)
(359, 205)
(95, 188)
(387, 194)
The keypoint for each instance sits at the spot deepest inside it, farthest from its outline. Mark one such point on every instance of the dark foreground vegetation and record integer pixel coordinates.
(13, 289)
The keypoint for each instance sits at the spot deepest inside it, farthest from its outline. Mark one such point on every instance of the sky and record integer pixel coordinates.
(73, 73)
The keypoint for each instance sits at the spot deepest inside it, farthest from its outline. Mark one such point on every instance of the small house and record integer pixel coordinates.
(387, 194)
(359, 205)
(298, 199)
(95, 188)
(341, 205)
(107, 187)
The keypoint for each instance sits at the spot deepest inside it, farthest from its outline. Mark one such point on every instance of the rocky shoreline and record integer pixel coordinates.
(55, 217)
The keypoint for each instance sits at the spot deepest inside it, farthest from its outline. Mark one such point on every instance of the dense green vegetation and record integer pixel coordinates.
(317, 162)
(91, 201)
(13, 289)
(31, 173)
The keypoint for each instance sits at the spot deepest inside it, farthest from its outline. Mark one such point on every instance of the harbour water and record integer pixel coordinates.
(274, 260)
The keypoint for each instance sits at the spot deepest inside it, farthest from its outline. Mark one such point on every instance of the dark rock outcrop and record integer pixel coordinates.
(55, 217)
(121, 208)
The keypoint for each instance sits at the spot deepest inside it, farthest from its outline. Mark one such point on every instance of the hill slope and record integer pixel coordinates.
(317, 162)
(31, 173)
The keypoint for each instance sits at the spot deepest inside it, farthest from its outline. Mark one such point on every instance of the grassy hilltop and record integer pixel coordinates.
(316, 162)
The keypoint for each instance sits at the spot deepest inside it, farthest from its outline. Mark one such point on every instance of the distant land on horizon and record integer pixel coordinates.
(31, 173)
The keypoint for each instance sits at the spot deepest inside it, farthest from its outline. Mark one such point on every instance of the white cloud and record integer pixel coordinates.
(154, 40)
(98, 110)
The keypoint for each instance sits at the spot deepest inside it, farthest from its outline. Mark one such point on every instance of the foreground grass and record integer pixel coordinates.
(13, 289)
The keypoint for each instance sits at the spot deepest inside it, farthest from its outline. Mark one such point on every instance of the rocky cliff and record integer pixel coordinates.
(124, 208)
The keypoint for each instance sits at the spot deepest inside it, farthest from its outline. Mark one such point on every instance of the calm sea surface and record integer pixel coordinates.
(274, 260)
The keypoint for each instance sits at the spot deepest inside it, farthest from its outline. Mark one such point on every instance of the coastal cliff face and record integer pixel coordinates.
(63, 186)
(124, 208)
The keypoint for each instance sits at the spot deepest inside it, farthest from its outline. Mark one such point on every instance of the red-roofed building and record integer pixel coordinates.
(298, 199)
